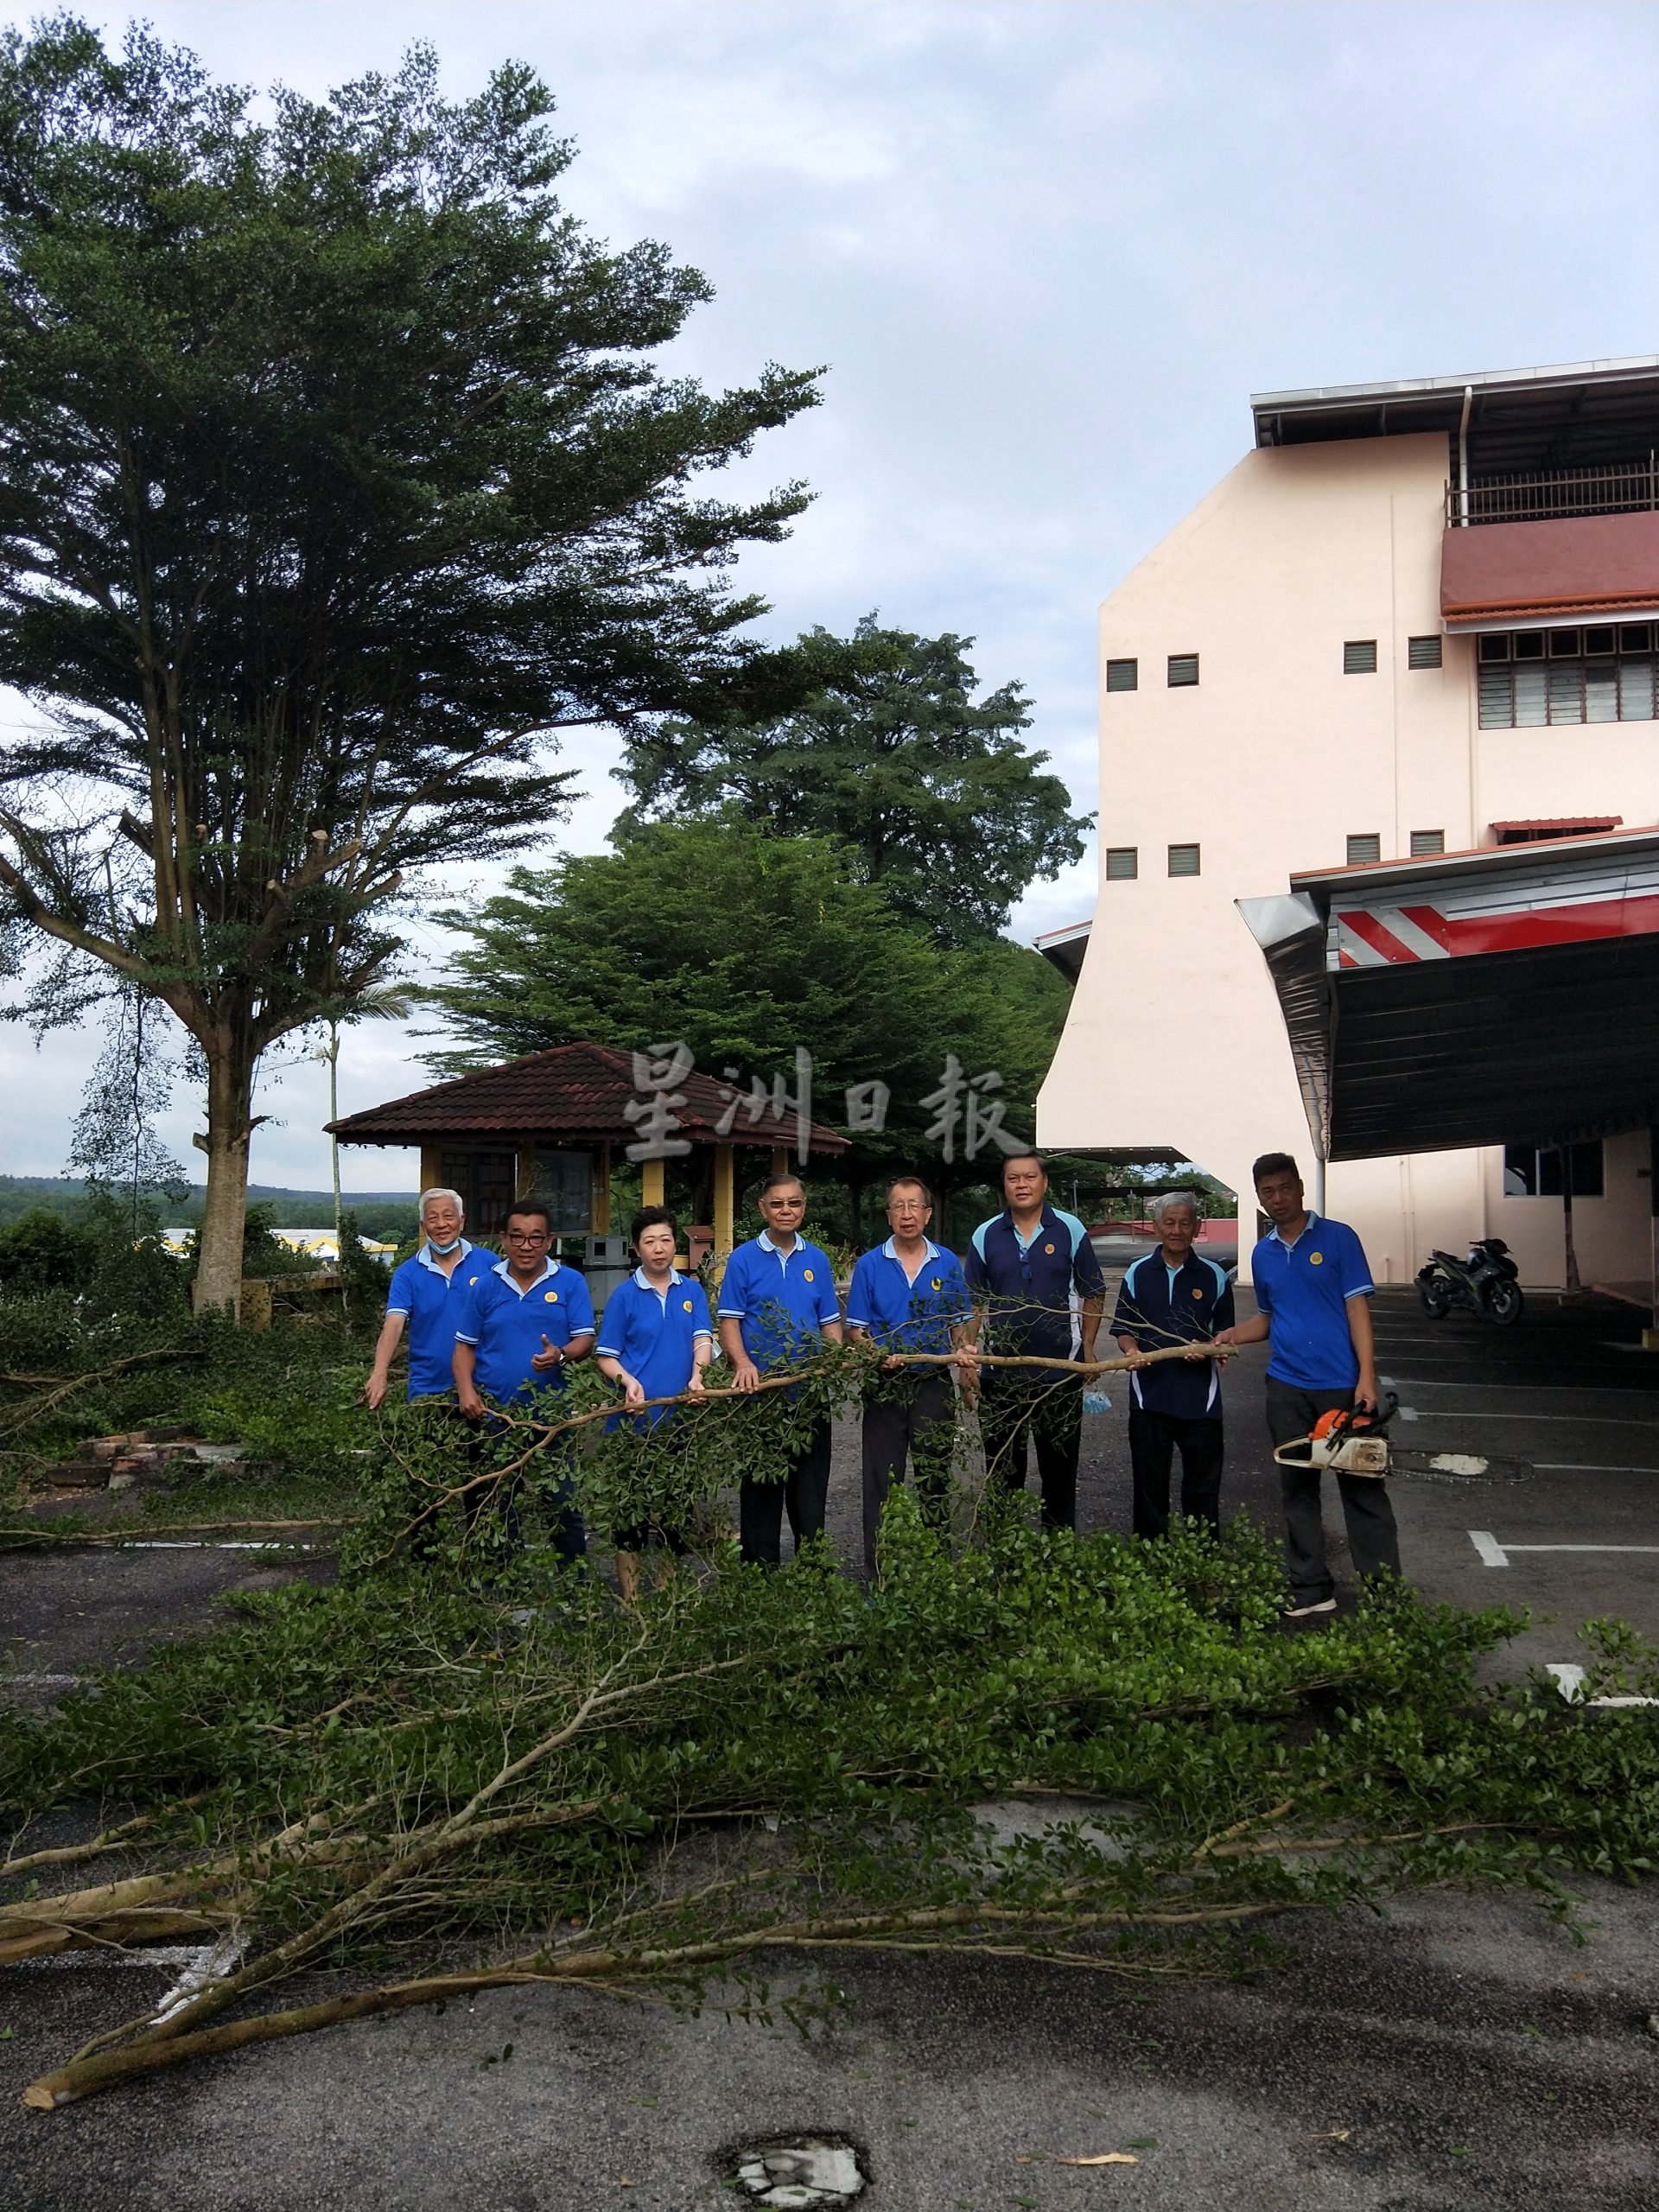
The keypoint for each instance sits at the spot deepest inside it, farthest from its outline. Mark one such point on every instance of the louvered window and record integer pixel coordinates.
(1425, 842)
(1122, 863)
(1367, 847)
(1534, 679)
(1183, 668)
(1122, 675)
(1423, 652)
(1183, 860)
(1359, 657)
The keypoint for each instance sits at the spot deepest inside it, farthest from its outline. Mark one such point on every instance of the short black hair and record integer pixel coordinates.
(523, 1206)
(1273, 1163)
(652, 1218)
(1028, 1152)
(910, 1183)
(776, 1182)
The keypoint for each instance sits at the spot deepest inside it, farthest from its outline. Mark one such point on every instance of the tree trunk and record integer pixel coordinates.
(224, 1214)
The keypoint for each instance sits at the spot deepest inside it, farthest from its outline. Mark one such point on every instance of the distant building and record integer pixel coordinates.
(1418, 619)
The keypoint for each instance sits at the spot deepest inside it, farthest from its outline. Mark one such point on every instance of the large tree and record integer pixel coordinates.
(745, 946)
(930, 787)
(335, 479)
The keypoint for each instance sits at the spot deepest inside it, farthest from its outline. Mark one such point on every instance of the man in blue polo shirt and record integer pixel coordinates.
(777, 1298)
(1312, 1288)
(1171, 1297)
(523, 1320)
(908, 1295)
(1025, 1266)
(423, 1297)
(656, 1342)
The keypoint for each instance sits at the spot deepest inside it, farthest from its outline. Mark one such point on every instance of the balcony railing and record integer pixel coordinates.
(1551, 495)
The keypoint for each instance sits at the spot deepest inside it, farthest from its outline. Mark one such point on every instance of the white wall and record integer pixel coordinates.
(1269, 764)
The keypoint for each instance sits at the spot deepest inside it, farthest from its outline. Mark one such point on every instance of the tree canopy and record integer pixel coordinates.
(931, 788)
(744, 945)
(335, 479)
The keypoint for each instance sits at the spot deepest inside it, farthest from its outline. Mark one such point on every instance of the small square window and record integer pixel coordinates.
(1359, 657)
(1425, 842)
(1530, 644)
(1122, 675)
(1183, 860)
(1363, 848)
(1494, 649)
(1601, 640)
(1564, 645)
(1183, 668)
(1634, 637)
(1423, 652)
(1122, 863)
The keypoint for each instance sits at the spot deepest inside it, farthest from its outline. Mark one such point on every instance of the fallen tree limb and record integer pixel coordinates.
(32, 1409)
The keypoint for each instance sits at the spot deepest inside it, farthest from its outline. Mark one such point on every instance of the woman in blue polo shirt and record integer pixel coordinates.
(655, 1339)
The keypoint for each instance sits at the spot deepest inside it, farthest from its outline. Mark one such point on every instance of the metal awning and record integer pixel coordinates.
(1509, 995)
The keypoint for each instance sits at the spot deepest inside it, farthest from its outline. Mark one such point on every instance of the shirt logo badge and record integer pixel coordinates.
(1198, 1293)
(939, 1282)
(686, 1304)
(552, 1297)
(1316, 1259)
(1048, 1248)
(806, 1274)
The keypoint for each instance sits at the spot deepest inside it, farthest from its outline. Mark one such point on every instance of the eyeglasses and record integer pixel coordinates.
(527, 1237)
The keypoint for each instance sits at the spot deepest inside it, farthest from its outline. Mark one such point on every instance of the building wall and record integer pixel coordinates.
(1269, 764)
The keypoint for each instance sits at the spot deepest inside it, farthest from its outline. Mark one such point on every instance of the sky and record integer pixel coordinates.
(1044, 250)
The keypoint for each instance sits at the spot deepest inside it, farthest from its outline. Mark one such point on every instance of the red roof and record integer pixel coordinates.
(1564, 822)
(575, 1092)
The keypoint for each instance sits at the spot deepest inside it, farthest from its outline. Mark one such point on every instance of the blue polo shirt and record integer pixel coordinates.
(506, 1325)
(1160, 1306)
(654, 1333)
(432, 1301)
(782, 1300)
(903, 1315)
(1027, 1285)
(1303, 1290)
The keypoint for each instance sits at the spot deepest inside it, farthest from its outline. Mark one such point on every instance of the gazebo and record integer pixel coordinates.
(547, 1126)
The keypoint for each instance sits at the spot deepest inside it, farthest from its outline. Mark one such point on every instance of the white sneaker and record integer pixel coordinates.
(1314, 1605)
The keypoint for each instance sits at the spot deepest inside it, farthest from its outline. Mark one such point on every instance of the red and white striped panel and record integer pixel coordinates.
(1387, 936)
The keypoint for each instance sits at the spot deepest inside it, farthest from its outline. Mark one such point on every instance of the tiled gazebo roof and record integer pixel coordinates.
(576, 1092)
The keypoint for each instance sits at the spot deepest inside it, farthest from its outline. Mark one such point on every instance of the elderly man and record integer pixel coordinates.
(777, 1298)
(909, 1295)
(1026, 1267)
(1173, 1297)
(424, 1299)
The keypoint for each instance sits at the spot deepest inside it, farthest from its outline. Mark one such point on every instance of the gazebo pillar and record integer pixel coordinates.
(601, 1206)
(780, 1160)
(652, 1182)
(725, 1193)
(431, 1167)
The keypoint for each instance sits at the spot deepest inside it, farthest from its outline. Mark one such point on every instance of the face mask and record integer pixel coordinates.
(443, 1251)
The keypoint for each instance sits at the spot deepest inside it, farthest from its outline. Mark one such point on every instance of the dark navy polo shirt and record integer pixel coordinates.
(1027, 1287)
(782, 1300)
(507, 1326)
(654, 1334)
(1303, 1290)
(903, 1315)
(432, 1300)
(1158, 1306)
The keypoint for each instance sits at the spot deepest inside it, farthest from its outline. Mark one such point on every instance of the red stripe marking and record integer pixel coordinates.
(1370, 932)
(1595, 920)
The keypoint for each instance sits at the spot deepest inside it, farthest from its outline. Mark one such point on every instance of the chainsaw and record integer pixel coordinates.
(1353, 1442)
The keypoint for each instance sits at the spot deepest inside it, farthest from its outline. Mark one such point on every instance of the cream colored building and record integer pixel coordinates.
(1415, 618)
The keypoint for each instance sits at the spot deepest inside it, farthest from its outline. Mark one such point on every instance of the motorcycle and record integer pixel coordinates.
(1488, 1283)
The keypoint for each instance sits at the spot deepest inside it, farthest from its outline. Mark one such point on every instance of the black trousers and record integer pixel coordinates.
(492, 1512)
(1017, 1403)
(1373, 1540)
(911, 1418)
(803, 1491)
(1155, 1439)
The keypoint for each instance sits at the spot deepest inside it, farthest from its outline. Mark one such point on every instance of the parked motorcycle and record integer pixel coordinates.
(1488, 1283)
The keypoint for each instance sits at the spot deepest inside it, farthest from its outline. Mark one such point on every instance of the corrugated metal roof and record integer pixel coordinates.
(575, 1092)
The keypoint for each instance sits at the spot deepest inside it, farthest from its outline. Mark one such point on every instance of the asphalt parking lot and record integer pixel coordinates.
(1461, 2051)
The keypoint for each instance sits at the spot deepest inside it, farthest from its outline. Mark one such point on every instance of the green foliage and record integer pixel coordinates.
(931, 790)
(44, 1251)
(745, 946)
(337, 476)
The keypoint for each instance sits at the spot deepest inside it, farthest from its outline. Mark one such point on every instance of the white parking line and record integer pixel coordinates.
(1569, 1679)
(201, 1963)
(1588, 1467)
(1496, 1555)
(1579, 1420)
(1553, 1390)
(40, 1681)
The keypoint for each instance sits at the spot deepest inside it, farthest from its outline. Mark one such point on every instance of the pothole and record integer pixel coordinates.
(798, 2171)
